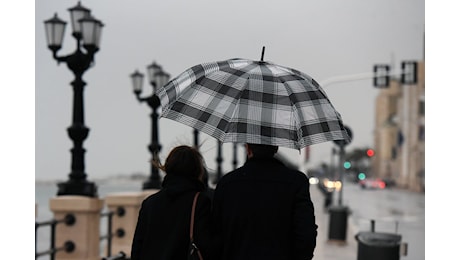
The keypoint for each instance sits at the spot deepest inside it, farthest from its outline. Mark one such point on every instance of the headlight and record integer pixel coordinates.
(313, 180)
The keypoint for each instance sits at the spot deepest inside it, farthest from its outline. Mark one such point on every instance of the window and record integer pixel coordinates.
(421, 133)
(421, 107)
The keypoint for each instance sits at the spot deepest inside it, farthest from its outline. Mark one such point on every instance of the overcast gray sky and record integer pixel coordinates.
(325, 39)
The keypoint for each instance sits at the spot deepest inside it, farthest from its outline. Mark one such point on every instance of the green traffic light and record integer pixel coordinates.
(361, 176)
(347, 165)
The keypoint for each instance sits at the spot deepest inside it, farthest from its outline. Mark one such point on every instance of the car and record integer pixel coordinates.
(389, 182)
(331, 185)
(313, 180)
(372, 183)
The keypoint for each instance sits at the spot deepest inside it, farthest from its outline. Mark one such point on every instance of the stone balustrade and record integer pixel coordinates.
(85, 232)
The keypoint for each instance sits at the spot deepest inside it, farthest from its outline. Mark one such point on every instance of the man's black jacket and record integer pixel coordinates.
(263, 210)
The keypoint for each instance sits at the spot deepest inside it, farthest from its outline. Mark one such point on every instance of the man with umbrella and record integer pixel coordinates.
(263, 210)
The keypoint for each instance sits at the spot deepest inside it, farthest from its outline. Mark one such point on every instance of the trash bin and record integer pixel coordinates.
(338, 219)
(378, 246)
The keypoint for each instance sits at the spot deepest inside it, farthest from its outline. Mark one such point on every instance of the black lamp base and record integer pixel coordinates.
(82, 188)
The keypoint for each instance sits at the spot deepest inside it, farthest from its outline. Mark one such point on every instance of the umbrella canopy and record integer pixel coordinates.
(246, 101)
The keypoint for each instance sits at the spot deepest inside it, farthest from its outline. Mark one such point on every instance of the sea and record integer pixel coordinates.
(45, 190)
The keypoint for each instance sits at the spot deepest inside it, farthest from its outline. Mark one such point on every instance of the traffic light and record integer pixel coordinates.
(361, 176)
(347, 165)
(381, 76)
(409, 72)
(370, 152)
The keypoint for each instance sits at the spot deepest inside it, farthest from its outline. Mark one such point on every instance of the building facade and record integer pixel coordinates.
(400, 131)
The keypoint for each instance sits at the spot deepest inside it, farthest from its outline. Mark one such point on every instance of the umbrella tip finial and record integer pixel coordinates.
(263, 51)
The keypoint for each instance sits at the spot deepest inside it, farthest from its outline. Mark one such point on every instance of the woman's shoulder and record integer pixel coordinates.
(152, 197)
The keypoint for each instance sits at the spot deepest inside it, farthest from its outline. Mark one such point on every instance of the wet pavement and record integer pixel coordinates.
(331, 249)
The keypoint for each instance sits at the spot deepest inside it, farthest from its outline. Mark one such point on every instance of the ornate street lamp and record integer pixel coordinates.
(157, 77)
(87, 31)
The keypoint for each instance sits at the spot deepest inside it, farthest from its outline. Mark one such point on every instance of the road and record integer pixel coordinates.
(393, 210)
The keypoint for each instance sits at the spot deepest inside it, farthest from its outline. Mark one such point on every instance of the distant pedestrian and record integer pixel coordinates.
(263, 210)
(162, 229)
(328, 195)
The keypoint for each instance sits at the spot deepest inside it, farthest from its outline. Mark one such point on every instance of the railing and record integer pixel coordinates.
(69, 246)
(119, 232)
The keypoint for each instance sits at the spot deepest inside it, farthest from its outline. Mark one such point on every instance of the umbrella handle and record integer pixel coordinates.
(263, 51)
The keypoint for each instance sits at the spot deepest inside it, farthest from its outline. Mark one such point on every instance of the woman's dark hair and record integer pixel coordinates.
(185, 161)
(263, 150)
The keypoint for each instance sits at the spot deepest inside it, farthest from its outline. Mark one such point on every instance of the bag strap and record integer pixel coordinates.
(192, 218)
(192, 222)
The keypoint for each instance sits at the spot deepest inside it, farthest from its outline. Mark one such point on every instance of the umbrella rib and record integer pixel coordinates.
(293, 106)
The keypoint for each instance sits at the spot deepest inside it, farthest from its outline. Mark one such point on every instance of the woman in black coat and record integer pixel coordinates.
(162, 230)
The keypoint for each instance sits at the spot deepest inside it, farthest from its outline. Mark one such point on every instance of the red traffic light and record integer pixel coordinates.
(370, 152)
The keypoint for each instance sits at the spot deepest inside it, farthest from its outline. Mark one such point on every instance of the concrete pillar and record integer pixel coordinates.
(131, 203)
(84, 233)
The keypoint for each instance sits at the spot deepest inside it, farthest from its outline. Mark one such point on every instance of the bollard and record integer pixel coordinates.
(379, 245)
(338, 220)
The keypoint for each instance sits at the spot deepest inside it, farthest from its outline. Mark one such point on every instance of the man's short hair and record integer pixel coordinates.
(263, 150)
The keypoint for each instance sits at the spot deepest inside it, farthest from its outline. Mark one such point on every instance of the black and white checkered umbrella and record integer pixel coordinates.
(246, 101)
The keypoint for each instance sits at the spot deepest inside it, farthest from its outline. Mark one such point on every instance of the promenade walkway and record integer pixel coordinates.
(331, 250)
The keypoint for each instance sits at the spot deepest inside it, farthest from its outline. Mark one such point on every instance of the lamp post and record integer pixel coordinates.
(219, 161)
(196, 138)
(87, 32)
(341, 144)
(235, 155)
(157, 77)
(331, 168)
(338, 214)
